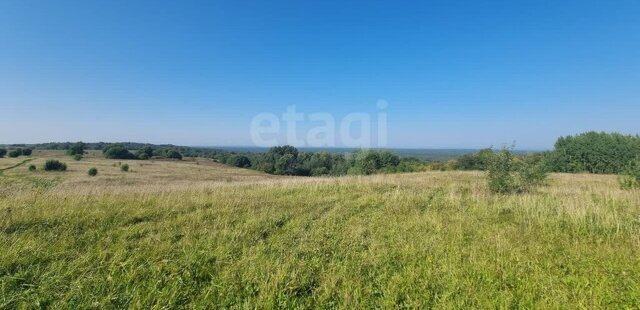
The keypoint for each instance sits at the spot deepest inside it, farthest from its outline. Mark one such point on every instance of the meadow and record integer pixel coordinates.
(198, 234)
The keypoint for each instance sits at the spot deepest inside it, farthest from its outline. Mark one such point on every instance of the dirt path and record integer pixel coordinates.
(18, 164)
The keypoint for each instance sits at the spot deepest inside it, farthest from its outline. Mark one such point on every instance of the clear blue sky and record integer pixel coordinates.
(455, 73)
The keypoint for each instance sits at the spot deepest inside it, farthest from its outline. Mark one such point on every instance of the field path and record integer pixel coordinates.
(17, 165)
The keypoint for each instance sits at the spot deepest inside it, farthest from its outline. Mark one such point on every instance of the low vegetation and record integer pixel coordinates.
(54, 165)
(507, 174)
(124, 167)
(117, 151)
(92, 171)
(76, 149)
(197, 234)
(631, 177)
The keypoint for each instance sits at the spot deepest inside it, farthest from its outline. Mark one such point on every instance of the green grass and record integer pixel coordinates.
(416, 240)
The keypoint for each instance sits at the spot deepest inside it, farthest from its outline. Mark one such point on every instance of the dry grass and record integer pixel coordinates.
(198, 234)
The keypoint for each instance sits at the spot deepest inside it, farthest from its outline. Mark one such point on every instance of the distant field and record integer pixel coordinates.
(195, 233)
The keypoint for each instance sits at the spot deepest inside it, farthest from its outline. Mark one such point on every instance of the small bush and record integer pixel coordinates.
(32, 168)
(124, 167)
(27, 152)
(506, 175)
(15, 153)
(77, 157)
(3, 152)
(631, 178)
(54, 165)
(92, 172)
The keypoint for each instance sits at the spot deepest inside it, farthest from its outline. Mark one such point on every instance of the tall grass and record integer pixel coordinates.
(413, 240)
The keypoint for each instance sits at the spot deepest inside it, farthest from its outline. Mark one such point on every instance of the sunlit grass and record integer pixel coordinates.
(202, 235)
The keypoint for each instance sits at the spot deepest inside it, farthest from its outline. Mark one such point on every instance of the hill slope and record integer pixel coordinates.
(203, 235)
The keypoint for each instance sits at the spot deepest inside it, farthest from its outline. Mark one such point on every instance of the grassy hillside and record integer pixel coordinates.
(198, 234)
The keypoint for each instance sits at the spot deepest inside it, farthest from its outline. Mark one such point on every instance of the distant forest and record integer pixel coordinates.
(592, 152)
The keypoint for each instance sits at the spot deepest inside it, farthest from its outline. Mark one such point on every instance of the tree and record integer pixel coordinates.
(475, 161)
(145, 152)
(3, 152)
(240, 161)
(286, 165)
(507, 175)
(173, 154)
(26, 152)
(594, 152)
(15, 153)
(76, 149)
(117, 151)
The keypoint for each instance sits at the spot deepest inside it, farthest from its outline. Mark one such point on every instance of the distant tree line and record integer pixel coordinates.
(287, 160)
(15, 152)
(593, 152)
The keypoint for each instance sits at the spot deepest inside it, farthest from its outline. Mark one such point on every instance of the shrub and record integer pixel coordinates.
(631, 178)
(145, 152)
(173, 154)
(26, 152)
(15, 153)
(54, 165)
(506, 175)
(240, 161)
(92, 172)
(3, 152)
(124, 167)
(32, 168)
(76, 149)
(117, 151)
(77, 157)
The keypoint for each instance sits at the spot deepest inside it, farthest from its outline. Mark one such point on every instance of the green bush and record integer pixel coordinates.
(32, 168)
(76, 149)
(145, 152)
(117, 151)
(631, 178)
(124, 167)
(3, 152)
(27, 152)
(506, 175)
(92, 172)
(594, 152)
(77, 157)
(54, 165)
(240, 161)
(173, 154)
(15, 153)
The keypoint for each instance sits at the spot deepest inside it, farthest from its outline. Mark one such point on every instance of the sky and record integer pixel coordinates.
(451, 74)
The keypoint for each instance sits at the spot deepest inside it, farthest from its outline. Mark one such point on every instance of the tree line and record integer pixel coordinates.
(592, 152)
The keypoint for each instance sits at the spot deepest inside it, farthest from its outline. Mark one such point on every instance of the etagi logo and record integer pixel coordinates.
(356, 130)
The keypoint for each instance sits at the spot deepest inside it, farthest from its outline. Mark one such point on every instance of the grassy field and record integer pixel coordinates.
(198, 234)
